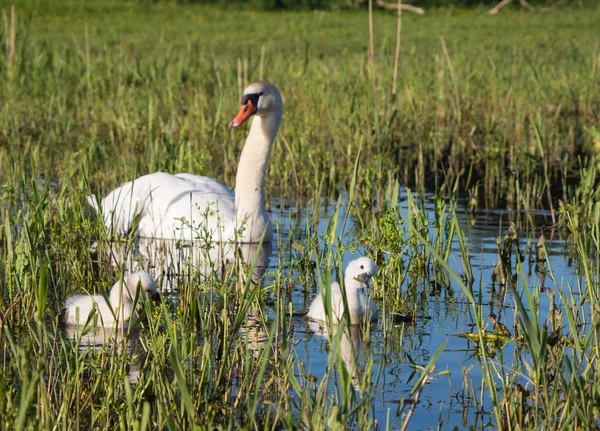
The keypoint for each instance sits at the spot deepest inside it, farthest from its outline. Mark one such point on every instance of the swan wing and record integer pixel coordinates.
(162, 205)
(193, 215)
(79, 307)
(204, 183)
(317, 308)
(337, 301)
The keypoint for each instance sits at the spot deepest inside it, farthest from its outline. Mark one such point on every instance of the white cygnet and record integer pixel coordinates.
(358, 276)
(119, 311)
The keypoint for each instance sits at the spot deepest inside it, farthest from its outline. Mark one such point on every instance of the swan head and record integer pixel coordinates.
(361, 269)
(131, 283)
(260, 98)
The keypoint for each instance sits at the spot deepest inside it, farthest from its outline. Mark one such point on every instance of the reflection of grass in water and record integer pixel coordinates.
(151, 88)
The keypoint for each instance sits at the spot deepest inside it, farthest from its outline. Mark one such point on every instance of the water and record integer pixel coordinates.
(441, 317)
(444, 318)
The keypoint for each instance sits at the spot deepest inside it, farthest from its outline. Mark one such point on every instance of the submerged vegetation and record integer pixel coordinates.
(484, 113)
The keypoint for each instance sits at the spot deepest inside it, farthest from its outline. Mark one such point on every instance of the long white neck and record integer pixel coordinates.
(352, 285)
(250, 205)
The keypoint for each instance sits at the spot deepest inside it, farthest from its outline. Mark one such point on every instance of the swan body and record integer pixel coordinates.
(118, 311)
(356, 280)
(185, 206)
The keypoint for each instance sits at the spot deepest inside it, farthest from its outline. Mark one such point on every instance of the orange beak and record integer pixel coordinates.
(246, 112)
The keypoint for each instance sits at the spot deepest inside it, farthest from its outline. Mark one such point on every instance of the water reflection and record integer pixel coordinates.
(350, 345)
(112, 342)
(254, 333)
(173, 261)
(396, 349)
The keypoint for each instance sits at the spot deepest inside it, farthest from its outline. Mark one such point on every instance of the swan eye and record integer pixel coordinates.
(362, 267)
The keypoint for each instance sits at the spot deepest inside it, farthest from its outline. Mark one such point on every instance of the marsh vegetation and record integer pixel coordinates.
(470, 178)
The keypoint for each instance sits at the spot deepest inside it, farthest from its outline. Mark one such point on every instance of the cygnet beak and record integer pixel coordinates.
(248, 110)
(156, 298)
(364, 278)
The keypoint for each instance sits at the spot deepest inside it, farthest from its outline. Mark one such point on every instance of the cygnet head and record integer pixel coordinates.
(131, 282)
(361, 269)
(260, 98)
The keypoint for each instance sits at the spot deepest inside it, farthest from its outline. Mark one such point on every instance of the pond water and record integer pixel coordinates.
(440, 317)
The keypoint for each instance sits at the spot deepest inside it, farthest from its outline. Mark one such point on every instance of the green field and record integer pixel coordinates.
(96, 79)
(488, 111)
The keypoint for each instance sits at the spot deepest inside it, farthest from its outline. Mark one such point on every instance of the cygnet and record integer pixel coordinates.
(119, 310)
(358, 276)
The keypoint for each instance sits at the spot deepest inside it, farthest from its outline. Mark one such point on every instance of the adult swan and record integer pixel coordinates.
(185, 206)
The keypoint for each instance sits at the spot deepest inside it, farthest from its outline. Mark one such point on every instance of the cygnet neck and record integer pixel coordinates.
(353, 283)
(250, 203)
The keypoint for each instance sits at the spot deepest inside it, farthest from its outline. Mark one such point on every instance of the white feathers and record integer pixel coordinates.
(356, 281)
(119, 310)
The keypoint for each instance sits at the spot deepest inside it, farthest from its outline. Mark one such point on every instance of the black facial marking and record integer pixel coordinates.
(363, 278)
(252, 98)
(362, 267)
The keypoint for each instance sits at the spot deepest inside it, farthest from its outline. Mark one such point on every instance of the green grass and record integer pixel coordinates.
(157, 85)
(99, 92)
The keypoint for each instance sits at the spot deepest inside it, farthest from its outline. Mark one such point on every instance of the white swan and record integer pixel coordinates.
(119, 311)
(358, 276)
(185, 206)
